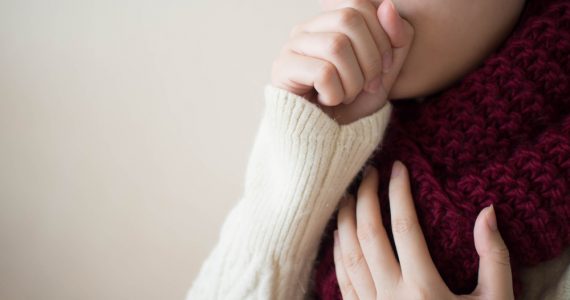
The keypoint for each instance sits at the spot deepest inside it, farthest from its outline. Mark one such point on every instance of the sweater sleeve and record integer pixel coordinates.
(549, 280)
(301, 163)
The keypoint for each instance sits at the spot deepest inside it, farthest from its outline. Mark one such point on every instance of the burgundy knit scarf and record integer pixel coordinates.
(501, 135)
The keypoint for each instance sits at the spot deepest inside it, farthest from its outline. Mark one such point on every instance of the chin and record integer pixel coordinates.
(402, 91)
(421, 78)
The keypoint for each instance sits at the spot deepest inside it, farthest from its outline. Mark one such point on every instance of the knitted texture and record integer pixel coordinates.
(501, 135)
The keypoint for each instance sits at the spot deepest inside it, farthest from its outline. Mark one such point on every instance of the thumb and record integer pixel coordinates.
(401, 34)
(495, 279)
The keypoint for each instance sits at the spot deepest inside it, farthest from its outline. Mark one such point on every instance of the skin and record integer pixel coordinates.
(365, 263)
(417, 47)
(451, 38)
(335, 58)
(350, 60)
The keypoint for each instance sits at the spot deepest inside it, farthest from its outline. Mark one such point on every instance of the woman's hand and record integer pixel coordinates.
(347, 58)
(366, 267)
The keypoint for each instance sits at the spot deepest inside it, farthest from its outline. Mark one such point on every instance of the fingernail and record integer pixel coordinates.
(386, 61)
(492, 218)
(335, 236)
(374, 84)
(396, 169)
(393, 7)
(396, 12)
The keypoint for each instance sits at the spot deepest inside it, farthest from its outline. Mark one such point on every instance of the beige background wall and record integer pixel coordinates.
(125, 128)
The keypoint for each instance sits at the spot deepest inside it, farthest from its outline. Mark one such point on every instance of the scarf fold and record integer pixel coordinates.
(499, 136)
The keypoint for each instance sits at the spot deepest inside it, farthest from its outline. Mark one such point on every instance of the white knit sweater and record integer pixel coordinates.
(301, 164)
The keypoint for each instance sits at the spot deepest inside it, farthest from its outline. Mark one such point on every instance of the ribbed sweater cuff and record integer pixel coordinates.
(300, 166)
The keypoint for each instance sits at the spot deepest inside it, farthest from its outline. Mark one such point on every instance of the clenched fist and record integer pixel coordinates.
(345, 59)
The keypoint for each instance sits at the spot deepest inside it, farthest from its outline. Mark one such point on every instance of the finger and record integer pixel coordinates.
(415, 261)
(300, 74)
(365, 104)
(495, 278)
(354, 261)
(395, 27)
(372, 236)
(369, 11)
(337, 49)
(344, 283)
(401, 35)
(351, 22)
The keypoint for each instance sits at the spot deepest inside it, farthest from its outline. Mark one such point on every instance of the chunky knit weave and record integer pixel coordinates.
(501, 135)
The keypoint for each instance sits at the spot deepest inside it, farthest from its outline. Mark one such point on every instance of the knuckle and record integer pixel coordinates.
(288, 45)
(338, 43)
(402, 225)
(333, 99)
(326, 73)
(295, 30)
(501, 255)
(349, 17)
(373, 69)
(358, 85)
(353, 259)
(354, 86)
(358, 3)
(367, 232)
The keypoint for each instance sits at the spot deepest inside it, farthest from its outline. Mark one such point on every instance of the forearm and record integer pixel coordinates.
(301, 163)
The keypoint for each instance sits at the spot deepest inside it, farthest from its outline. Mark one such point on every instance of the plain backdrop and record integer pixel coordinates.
(125, 129)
